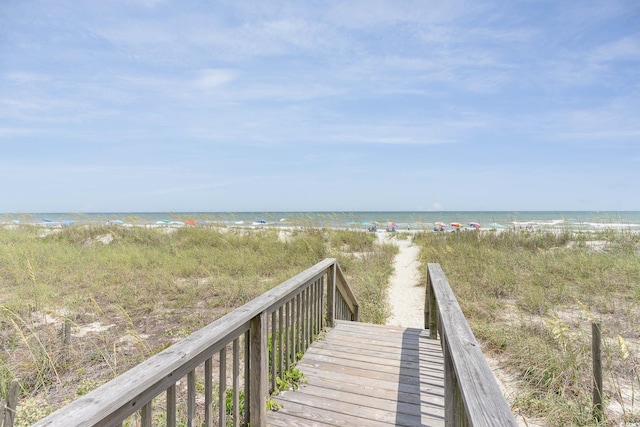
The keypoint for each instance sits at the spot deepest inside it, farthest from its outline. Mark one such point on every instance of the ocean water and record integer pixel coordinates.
(551, 220)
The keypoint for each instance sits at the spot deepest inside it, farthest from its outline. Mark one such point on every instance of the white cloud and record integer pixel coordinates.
(625, 49)
(213, 78)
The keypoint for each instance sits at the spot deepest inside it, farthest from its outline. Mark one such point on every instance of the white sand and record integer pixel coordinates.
(406, 293)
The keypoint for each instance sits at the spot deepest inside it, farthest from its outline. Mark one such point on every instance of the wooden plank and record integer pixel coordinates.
(429, 396)
(374, 364)
(339, 407)
(309, 415)
(298, 415)
(425, 355)
(387, 402)
(434, 388)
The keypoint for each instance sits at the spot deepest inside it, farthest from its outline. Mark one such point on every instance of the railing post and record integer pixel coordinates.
(259, 370)
(331, 294)
(596, 355)
(427, 295)
(12, 403)
(455, 414)
(430, 309)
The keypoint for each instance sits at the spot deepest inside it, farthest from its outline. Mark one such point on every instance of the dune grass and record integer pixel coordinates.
(131, 292)
(530, 299)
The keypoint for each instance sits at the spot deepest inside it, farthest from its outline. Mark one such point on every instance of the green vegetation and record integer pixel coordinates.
(131, 292)
(530, 299)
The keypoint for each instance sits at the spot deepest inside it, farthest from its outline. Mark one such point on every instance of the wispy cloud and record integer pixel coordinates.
(214, 78)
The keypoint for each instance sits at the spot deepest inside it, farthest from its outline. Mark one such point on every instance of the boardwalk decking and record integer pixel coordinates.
(367, 375)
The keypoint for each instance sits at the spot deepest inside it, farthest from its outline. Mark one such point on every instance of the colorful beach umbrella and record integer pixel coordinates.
(474, 225)
(456, 224)
(440, 224)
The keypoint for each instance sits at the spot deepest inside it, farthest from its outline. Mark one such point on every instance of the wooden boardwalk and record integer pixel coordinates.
(367, 375)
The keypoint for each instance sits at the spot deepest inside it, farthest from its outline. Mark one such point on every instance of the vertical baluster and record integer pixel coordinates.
(208, 392)
(321, 303)
(247, 379)
(287, 327)
(319, 309)
(222, 395)
(171, 406)
(298, 328)
(281, 332)
(331, 295)
(272, 360)
(314, 311)
(236, 381)
(305, 319)
(309, 316)
(191, 398)
(309, 319)
(145, 414)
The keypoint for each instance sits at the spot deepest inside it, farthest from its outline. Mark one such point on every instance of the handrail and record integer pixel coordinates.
(274, 327)
(349, 298)
(472, 395)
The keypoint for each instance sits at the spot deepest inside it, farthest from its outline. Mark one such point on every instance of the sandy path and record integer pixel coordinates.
(406, 293)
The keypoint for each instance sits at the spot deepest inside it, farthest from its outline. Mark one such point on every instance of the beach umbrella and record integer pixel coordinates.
(474, 225)
(190, 222)
(456, 224)
(440, 224)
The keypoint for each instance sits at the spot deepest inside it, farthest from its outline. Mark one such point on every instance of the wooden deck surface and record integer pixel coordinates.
(367, 375)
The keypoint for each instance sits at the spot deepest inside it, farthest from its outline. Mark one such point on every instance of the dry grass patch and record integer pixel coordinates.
(131, 292)
(530, 299)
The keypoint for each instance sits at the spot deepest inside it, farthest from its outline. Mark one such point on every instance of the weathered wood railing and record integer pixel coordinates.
(264, 337)
(472, 395)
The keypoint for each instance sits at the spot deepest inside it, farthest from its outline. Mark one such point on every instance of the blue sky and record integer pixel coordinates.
(166, 105)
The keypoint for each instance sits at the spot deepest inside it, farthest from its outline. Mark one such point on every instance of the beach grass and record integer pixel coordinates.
(128, 293)
(531, 297)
